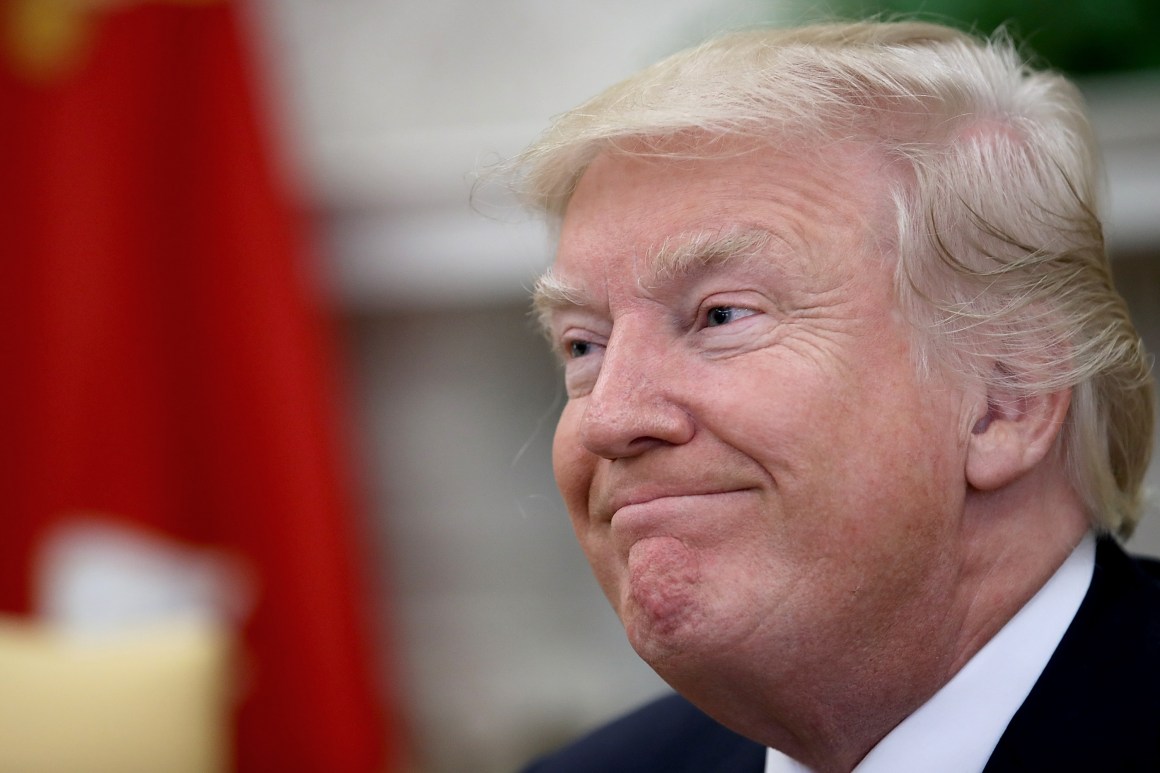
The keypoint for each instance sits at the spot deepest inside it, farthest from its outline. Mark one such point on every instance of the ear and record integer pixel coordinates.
(1012, 434)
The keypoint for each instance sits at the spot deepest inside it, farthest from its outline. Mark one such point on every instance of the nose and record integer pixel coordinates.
(634, 403)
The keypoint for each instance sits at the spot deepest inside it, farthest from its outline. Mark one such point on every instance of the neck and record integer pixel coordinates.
(1020, 536)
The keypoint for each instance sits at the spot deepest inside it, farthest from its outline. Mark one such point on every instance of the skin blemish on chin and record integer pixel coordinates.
(663, 575)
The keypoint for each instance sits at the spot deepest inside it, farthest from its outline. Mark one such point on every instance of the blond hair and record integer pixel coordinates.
(1001, 262)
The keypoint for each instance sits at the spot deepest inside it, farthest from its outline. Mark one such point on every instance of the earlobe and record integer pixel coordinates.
(1012, 435)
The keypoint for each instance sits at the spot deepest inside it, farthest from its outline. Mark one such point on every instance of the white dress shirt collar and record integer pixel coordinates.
(958, 728)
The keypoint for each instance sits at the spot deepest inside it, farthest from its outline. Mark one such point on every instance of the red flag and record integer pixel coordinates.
(163, 358)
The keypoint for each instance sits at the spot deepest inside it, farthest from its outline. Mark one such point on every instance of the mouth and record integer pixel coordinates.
(664, 500)
(691, 517)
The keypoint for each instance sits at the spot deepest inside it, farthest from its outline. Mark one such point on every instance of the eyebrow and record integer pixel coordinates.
(552, 293)
(678, 257)
(675, 258)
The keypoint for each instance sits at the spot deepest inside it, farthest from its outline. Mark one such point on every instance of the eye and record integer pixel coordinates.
(581, 358)
(576, 345)
(723, 315)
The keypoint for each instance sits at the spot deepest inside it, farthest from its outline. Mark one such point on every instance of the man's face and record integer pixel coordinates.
(753, 468)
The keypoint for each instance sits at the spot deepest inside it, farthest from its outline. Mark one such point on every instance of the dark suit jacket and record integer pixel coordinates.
(1096, 707)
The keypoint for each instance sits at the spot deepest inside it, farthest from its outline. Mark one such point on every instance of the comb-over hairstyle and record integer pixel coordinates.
(1000, 259)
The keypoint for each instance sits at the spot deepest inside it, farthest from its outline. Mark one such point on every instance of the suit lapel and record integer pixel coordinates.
(1097, 704)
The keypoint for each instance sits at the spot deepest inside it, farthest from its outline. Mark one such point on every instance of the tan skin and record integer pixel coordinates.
(798, 532)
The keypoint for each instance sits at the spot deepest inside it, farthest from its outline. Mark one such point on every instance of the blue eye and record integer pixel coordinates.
(578, 349)
(722, 315)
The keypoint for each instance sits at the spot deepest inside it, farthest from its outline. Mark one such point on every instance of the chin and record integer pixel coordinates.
(667, 628)
(684, 657)
(663, 649)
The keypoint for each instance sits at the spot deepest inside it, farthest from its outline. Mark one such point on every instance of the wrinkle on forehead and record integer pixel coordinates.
(801, 190)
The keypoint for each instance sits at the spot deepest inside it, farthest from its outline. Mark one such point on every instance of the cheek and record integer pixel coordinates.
(842, 454)
(572, 465)
(574, 468)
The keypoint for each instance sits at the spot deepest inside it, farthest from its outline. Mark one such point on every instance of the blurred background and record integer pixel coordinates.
(262, 319)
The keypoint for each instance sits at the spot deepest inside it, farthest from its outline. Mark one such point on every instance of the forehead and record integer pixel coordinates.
(653, 215)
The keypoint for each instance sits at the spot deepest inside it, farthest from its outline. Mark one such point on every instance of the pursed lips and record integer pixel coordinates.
(607, 507)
